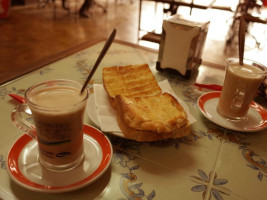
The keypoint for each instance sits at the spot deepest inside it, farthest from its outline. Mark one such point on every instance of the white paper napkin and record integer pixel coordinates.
(106, 115)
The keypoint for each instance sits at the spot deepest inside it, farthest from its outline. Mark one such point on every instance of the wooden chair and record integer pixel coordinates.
(246, 9)
(72, 5)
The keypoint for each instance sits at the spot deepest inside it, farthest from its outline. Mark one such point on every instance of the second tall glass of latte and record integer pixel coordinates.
(240, 85)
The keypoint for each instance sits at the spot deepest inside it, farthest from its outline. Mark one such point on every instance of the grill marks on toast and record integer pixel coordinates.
(131, 80)
(143, 112)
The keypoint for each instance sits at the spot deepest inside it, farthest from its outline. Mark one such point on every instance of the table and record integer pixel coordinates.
(212, 163)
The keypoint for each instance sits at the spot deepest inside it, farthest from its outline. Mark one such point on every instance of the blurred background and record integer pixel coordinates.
(34, 30)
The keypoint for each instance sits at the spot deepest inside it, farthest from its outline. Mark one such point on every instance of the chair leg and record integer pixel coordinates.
(232, 31)
(100, 6)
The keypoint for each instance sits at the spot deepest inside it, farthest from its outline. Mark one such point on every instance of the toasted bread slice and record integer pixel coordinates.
(131, 80)
(151, 118)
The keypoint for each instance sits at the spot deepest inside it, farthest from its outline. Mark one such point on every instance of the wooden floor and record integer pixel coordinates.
(31, 35)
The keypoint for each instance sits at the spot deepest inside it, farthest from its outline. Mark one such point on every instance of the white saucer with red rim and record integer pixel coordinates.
(256, 119)
(24, 168)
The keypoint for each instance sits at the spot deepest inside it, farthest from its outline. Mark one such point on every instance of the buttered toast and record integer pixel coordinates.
(151, 118)
(143, 111)
(131, 80)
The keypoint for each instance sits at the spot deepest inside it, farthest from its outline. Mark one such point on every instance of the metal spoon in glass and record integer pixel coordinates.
(241, 39)
(100, 57)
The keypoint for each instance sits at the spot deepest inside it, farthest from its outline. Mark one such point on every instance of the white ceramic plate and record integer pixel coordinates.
(25, 170)
(256, 118)
(91, 111)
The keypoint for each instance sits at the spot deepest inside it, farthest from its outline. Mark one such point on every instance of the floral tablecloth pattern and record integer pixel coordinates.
(211, 163)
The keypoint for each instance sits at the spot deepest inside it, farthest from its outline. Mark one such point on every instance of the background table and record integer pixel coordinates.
(212, 162)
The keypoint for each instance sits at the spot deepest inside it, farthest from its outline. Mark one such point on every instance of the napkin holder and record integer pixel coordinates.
(181, 45)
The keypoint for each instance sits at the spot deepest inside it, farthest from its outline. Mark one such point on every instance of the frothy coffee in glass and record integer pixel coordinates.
(58, 111)
(239, 88)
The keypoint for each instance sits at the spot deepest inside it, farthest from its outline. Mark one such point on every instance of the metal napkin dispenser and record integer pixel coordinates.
(181, 45)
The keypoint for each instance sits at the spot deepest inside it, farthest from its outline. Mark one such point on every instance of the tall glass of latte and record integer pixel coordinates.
(58, 109)
(239, 88)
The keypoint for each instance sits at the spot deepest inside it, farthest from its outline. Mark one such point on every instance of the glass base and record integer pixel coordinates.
(64, 167)
(236, 119)
(231, 118)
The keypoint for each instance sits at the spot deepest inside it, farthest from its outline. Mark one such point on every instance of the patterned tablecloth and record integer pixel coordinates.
(212, 163)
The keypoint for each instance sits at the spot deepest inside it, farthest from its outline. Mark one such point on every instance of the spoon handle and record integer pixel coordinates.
(100, 57)
(241, 39)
